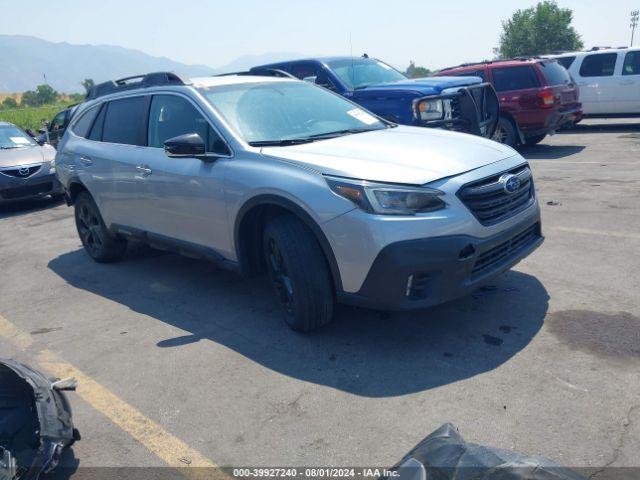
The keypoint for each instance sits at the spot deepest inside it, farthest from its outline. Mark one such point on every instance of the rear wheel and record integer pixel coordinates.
(505, 132)
(299, 273)
(534, 140)
(98, 242)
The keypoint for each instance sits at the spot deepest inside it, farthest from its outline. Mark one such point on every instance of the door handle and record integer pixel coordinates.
(144, 170)
(86, 161)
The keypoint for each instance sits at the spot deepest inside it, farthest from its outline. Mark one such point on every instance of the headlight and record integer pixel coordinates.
(386, 199)
(429, 109)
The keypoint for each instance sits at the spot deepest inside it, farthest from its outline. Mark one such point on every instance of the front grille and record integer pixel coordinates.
(490, 203)
(26, 191)
(505, 251)
(21, 172)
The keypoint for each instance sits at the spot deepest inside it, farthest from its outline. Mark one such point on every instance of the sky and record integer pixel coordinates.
(432, 33)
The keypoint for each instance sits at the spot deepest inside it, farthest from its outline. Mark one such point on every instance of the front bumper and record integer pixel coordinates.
(421, 273)
(14, 189)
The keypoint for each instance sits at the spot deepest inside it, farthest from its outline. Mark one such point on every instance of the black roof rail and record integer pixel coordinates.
(154, 79)
(260, 72)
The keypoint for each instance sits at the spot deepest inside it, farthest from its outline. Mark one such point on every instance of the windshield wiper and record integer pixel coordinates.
(281, 143)
(9, 148)
(340, 133)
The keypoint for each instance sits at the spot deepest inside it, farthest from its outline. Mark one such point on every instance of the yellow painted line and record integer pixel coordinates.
(588, 231)
(168, 448)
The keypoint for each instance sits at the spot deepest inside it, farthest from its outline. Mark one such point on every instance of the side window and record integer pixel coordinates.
(471, 73)
(83, 124)
(58, 121)
(514, 78)
(566, 62)
(125, 121)
(96, 130)
(304, 70)
(631, 64)
(171, 115)
(598, 65)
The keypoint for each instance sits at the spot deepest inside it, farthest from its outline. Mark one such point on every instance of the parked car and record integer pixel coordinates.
(27, 169)
(608, 78)
(56, 127)
(459, 104)
(537, 97)
(276, 174)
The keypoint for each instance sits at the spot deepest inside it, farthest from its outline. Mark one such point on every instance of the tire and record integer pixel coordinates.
(505, 132)
(536, 139)
(298, 273)
(98, 242)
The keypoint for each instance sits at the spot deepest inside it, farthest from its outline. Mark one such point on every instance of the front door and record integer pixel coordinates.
(183, 197)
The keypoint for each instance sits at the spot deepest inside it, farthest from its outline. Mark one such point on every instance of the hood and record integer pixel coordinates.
(14, 157)
(408, 155)
(423, 86)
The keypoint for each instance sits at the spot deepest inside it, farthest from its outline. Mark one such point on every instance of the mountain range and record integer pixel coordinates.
(29, 61)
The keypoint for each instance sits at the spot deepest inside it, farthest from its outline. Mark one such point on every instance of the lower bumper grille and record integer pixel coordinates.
(26, 191)
(505, 251)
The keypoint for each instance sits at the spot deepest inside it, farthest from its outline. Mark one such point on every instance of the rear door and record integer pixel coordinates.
(628, 93)
(122, 142)
(595, 77)
(517, 88)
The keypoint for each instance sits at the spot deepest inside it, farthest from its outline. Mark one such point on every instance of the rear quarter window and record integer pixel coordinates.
(555, 73)
(82, 126)
(514, 78)
(598, 65)
(125, 121)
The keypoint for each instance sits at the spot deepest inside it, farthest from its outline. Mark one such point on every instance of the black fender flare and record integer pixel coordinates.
(301, 214)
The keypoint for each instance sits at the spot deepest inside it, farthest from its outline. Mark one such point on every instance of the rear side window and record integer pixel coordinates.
(171, 116)
(125, 121)
(631, 64)
(555, 73)
(514, 78)
(598, 65)
(471, 73)
(83, 124)
(566, 62)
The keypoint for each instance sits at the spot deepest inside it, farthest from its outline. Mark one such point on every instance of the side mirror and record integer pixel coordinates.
(189, 145)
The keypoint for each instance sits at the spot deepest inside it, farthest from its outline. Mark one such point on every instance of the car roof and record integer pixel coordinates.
(497, 63)
(6, 124)
(592, 51)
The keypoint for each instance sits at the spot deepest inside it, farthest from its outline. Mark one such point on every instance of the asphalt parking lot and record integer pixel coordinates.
(179, 356)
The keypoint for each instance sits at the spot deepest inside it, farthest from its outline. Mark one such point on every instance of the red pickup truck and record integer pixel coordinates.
(537, 96)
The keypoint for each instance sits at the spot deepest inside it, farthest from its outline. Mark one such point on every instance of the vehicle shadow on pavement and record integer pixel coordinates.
(363, 352)
(27, 206)
(607, 126)
(549, 152)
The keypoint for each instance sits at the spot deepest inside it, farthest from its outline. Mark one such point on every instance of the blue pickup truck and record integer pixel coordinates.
(464, 104)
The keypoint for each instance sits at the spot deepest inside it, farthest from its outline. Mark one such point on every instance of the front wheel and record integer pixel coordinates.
(98, 242)
(299, 273)
(505, 132)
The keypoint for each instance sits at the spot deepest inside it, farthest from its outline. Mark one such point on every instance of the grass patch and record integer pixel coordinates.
(31, 117)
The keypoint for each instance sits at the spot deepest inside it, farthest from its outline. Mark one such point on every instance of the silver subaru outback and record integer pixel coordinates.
(278, 175)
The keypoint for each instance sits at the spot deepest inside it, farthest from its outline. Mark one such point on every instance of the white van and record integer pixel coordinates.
(609, 79)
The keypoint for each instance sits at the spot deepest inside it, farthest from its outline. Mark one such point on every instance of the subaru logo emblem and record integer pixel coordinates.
(510, 183)
(24, 171)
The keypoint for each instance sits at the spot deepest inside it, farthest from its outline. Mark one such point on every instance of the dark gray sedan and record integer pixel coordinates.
(27, 169)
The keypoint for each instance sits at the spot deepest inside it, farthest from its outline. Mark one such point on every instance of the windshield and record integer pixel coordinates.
(272, 112)
(556, 74)
(12, 137)
(360, 72)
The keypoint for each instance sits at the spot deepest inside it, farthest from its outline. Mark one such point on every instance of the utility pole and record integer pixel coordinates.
(634, 23)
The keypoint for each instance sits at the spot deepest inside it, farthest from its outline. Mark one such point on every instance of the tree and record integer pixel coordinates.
(9, 102)
(46, 94)
(30, 99)
(88, 84)
(416, 72)
(538, 30)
